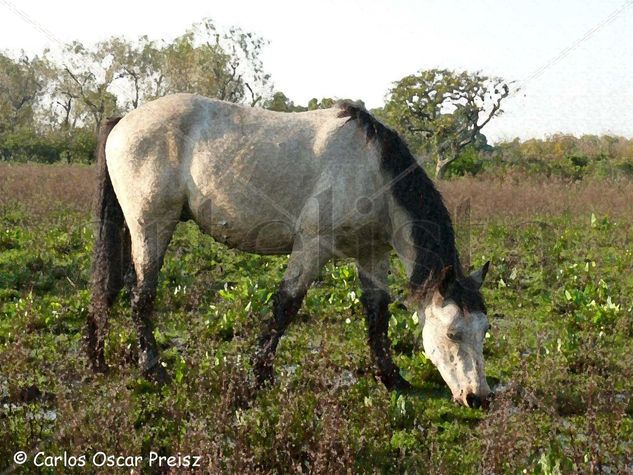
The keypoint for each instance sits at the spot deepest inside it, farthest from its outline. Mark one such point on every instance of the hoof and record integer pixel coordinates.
(100, 367)
(397, 383)
(152, 368)
(97, 361)
(158, 374)
(263, 369)
(264, 377)
(264, 374)
(402, 385)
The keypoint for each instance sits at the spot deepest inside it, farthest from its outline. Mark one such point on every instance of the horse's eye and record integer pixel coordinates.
(454, 336)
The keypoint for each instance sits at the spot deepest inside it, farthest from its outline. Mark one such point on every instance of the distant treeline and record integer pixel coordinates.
(559, 155)
(562, 156)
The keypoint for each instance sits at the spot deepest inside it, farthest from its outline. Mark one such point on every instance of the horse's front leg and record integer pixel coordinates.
(375, 299)
(303, 268)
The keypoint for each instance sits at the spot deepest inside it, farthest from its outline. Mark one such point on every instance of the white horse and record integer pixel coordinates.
(320, 184)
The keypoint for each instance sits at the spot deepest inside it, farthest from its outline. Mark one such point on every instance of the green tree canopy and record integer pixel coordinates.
(93, 82)
(225, 65)
(85, 79)
(22, 84)
(440, 112)
(281, 103)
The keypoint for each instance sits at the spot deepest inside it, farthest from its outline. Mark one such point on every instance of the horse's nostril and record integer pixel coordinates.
(473, 401)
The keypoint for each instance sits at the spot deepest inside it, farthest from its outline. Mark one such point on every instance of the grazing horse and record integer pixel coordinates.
(315, 185)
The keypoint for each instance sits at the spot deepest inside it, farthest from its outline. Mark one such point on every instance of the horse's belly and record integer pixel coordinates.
(253, 228)
(250, 199)
(263, 238)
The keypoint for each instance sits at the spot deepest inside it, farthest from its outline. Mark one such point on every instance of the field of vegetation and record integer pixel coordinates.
(559, 355)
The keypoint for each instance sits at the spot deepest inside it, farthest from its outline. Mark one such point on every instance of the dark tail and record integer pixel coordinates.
(111, 255)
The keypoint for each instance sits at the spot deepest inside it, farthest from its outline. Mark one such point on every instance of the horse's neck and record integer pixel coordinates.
(401, 239)
(423, 253)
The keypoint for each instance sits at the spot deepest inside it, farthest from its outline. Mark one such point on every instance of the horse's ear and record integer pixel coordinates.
(445, 279)
(478, 276)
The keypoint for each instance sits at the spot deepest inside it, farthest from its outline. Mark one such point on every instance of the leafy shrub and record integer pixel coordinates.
(469, 163)
(24, 144)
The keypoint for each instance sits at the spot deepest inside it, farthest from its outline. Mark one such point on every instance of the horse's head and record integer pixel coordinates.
(455, 325)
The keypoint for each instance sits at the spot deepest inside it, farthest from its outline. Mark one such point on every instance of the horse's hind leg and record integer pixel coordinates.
(303, 268)
(375, 299)
(149, 243)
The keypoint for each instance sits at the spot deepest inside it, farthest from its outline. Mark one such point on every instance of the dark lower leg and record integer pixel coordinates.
(94, 338)
(376, 302)
(142, 306)
(285, 308)
(96, 328)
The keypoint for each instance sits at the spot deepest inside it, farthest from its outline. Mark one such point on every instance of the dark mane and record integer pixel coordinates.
(432, 229)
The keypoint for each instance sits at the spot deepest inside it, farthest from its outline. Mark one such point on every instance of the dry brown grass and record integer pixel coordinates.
(522, 197)
(43, 188)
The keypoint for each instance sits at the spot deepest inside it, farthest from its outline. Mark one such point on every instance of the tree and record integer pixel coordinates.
(21, 87)
(140, 65)
(327, 102)
(324, 103)
(442, 112)
(281, 103)
(225, 65)
(93, 82)
(84, 81)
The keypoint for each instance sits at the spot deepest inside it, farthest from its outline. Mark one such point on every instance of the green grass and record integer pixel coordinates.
(559, 355)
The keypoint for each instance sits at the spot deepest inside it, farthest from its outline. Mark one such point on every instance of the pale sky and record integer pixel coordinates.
(357, 49)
